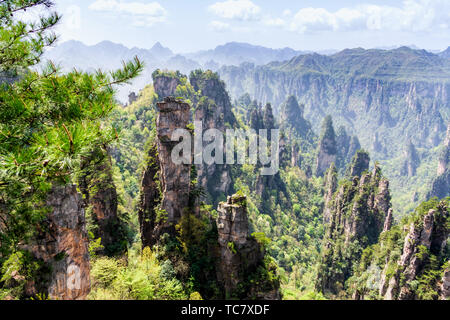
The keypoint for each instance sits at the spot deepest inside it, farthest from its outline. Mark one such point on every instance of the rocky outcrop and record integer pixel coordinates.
(241, 256)
(427, 236)
(300, 138)
(445, 286)
(363, 89)
(62, 245)
(211, 87)
(165, 83)
(440, 187)
(175, 178)
(327, 151)
(389, 220)
(97, 185)
(411, 161)
(292, 116)
(266, 184)
(132, 97)
(150, 199)
(214, 111)
(353, 147)
(268, 119)
(359, 164)
(355, 216)
(331, 184)
(256, 118)
(165, 185)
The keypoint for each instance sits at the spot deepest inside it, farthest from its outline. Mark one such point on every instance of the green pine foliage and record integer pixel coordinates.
(49, 121)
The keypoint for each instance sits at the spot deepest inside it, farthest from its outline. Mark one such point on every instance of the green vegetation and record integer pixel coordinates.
(140, 277)
(59, 129)
(386, 253)
(48, 121)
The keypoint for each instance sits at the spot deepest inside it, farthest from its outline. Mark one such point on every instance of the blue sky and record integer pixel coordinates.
(190, 25)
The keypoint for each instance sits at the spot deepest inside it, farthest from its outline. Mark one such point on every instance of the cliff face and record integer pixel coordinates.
(411, 161)
(62, 245)
(359, 164)
(440, 186)
(165, 185)
(97, 185)
(331, 184)
(214, 111)
(168, 206)
(292, 116)
(445, 286)
(241, 256)
(377, 94)
(346, 147)
(372, 91)
(165, 85)
(426, 238)
(263, 118)
(355, 216)
(150, 199)
(327, 150)
(175, 179)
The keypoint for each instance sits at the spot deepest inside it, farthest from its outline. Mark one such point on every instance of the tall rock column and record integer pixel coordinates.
(175, 178)
(97, 185)
(327, 151)
(214, 110)
(331, 184)
(426, 236)
(440, 186)
(63, 246)
(150, 198)
(354, 217)
(240, 254)
(165, 185)
(165, 83)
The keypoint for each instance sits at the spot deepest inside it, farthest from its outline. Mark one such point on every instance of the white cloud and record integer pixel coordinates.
(243, 10)
(287, 12)
(412, 16)
(275, 22)
(219, 26)
(143, 14)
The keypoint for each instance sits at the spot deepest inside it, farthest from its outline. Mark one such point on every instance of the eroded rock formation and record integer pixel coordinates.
(62, 245)
(428, 236)
(440, 186)
(292, 116)
(150, 199)
(445, 286)
(331, 184)
(214, 111)
(359, 164)
(241, 256)
(165, 84)
(327, 151)
(97, 185)
(175, 178)
(355, 215)
(165, 185)
(411, 160)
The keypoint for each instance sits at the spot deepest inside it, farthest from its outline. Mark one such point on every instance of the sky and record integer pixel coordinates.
(191, 25)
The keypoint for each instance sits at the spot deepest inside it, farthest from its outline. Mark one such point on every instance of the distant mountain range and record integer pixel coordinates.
(108, 56)
(445, 53)
(234, 53)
